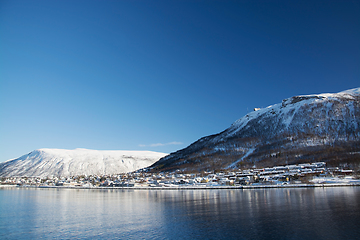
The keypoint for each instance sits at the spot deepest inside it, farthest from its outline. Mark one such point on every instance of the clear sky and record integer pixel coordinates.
(158, 75)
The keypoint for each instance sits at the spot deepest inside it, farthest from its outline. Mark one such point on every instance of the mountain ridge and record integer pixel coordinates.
(63, 162)
(300, 128)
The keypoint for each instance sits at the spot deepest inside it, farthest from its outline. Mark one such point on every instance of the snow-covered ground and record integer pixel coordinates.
(348, 179)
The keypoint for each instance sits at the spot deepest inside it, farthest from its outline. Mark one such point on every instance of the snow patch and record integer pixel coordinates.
(250, 151)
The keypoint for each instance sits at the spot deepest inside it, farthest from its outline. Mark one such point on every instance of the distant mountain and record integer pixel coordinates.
(323, 127)
(60, 162)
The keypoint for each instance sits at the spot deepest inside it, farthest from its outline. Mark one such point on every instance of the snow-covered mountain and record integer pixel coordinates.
(61, 162)
(322, 127)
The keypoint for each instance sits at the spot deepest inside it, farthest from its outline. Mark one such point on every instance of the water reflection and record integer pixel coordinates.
(321, 213)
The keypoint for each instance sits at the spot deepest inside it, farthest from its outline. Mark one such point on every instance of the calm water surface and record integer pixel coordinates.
(299, 213)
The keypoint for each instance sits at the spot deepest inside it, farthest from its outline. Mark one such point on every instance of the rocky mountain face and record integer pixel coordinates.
(61, 162)
(323, 127)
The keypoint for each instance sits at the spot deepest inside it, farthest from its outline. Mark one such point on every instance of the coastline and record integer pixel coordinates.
(315, 185)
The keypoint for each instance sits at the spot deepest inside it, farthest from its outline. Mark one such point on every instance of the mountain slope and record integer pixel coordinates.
(60, 162)
(323, 127)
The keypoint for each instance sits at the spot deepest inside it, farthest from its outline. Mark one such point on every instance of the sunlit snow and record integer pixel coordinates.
(61, 162)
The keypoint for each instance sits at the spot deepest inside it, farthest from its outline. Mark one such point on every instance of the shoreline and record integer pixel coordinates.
(315, 185)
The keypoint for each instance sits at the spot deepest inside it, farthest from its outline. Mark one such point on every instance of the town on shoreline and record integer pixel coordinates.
(300, 175)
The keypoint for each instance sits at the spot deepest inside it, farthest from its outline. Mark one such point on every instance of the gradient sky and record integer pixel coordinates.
(158, 75)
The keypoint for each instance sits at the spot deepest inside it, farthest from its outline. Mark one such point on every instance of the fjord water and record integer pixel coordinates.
(291, 213)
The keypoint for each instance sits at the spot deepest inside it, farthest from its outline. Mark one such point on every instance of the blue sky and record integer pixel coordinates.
(158, 75)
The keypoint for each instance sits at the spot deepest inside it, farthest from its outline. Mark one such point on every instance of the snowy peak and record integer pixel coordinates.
(299, 100)
(62, 162)
(322, 127)
(294, 107)
(352, 92)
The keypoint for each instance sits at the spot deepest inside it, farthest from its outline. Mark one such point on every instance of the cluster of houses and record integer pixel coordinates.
(289, 174)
